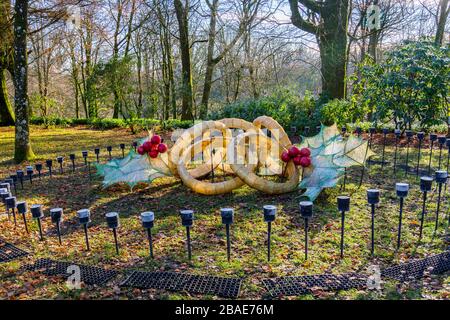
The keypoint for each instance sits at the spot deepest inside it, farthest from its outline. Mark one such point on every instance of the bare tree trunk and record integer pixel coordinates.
(185, 51)
(23, 150)
(444, 11)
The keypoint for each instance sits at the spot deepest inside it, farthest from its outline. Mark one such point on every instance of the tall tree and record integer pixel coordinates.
(182, 13)
(328, 21)
(23, 150)
(444, 9)
(6, 62)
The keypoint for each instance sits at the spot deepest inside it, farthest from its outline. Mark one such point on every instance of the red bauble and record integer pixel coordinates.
(294, 151)
(285, 156)
(305, 152)
(162, 148)
(156, 139)
(141, 150)
(305, 162)
(147, 146)
(154, 147)
(153, 153)
(297, 160)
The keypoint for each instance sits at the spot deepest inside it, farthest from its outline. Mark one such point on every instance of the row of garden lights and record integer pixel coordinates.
(21, 175)
(227, 214)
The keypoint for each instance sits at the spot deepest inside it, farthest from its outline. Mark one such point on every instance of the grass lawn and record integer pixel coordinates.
(167, 196)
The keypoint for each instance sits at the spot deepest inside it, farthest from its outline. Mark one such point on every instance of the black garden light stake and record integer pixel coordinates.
(112, 219)
(447, 144)
(318, 128)
(306, 211)
(6, 185)
(441, 178)
(385, 132)
(441, 141)
(135, 144)
(39, 169)
(344, 130)
(84, 217)
(147, 219)
(373, 198)
(293, 130)
(402, 192)
(358, 131)
(270, 212)
(4, 195)
(38, 214)
(187, 217)
(425, 187)
(11, 205)
(56, 215)
(306, 131)
(227, 219)
(10, 183)
(60, 160)
(13, 179)
(109, 149)
(409, 135)
(97, 153)
(30, 173)
(85, 155)
(20, 175)
(343, 203)
(49, 164)
(420, 136)
(397, 133)
(22, 209)
(433, 138)
(122, 147)
(72, 159)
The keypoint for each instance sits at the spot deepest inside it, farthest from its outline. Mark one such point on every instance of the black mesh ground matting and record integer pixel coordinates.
(436, 264)
(294, 286)
(10, 252)
(377, 162)
(174, 281)
(89, 274)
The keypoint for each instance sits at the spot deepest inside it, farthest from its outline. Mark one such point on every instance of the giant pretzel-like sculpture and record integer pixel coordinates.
(244, 172)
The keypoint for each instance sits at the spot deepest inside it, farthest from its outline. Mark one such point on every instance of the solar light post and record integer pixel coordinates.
(122, 147)
(60, 160)
(270, 212)
(84, 217)
(112, 219)
(227, 219)
(22, 209)
(306, 211)
(147, 219)
(5, 185)
(135, 144)
(343, 203)
(56, 215)
(344, 130)
(72, 158)
(109, 149)
(38, 214)
(30, 173)
(425, 187)
(4, 195)
(306, 131)
(97, 153)
(433, 138)
(409, 135)
(420, 136)
(385, 132)
(85, 155)
(372, 131)
(13, 179)
(11, 203)
(373, 198)
(318, 128)
(441, 178)
(402, 192)
(39, 169)
(358, 131)
(441, 141)
(49, 164)
(397, 133)
(20, 175)
(187, 217)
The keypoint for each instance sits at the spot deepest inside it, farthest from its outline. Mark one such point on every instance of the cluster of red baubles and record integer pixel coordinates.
(300, 157)
(153, 147)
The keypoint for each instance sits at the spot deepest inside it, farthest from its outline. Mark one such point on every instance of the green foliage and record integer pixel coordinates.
(284, 106)
(341, 112)
(412, 84)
